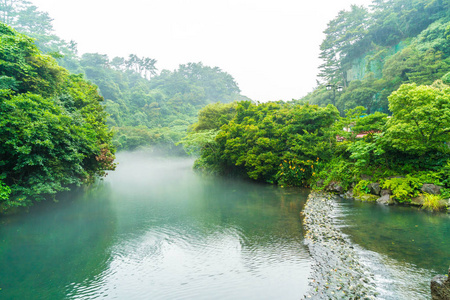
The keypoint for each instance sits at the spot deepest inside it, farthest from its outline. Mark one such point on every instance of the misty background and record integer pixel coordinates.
(271, 48)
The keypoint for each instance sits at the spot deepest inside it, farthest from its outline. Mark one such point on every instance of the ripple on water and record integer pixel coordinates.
(175, 263)
(396, 277)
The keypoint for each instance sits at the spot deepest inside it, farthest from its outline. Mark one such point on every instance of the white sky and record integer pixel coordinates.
(270, 47)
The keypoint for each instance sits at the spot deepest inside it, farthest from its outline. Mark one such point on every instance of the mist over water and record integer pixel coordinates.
(154, 229)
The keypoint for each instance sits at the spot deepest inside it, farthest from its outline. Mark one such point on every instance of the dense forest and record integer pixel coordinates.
(59, 129)
(145, 107)
(53, 131)
(380, 113)
(370, 52)
(382, 123)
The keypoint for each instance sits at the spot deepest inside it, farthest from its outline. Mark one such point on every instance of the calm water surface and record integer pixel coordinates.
(156, 230)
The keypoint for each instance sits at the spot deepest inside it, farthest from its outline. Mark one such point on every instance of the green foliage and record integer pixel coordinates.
(421, 119)
(213, 116)
(432, 202)
(196, 141)
(5, 191)
(30, 70)
(342, 35)
(416, 66)
(296, 173)
(361, 188)
(404, 188)
(52, 125)
(446, 78)
(261, 136)
(372, 52)
(365, 153)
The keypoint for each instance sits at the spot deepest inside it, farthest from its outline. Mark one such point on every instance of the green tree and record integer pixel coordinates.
(52, 125)
(421, 119)
(261, 136)
(345, 40)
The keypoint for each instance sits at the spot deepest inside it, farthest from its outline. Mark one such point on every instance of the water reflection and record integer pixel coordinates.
(55, 244)
(156, 230)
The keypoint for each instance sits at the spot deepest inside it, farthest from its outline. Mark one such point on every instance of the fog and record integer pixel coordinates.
(270, 47)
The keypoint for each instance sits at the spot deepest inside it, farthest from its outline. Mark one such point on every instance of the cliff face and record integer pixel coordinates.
(373, 62)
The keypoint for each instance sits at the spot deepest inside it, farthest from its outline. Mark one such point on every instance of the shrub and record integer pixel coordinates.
(361, 188)
(403, 189)
(432, 202)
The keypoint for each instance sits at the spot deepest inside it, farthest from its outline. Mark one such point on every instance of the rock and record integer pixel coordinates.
(418, 201)
(445, 204)
(319, 183)
(440, 287)
(385, 192)
(431, 189)
(375, 188)
(337, 271)
(386, 200)
(334, 187)
(349, 194)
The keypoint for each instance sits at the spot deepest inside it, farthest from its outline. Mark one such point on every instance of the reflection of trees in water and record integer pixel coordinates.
(403, 233)
(263, 213)
(50, 248)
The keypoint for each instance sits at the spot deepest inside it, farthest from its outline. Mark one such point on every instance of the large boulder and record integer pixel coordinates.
(368, 198)
(385, 192)
(445, 204)
(386, 199)
(440, 287)
(349, 194)
(374, 188)
(431, 189)
(418, 201)
(334, 187)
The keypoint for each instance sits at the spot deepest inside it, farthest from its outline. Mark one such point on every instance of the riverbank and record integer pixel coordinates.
(336, 269)
(427, 196)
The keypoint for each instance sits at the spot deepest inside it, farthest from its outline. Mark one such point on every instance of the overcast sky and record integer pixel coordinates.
(270, 47)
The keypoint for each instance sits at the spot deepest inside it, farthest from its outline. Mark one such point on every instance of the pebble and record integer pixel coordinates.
(336, 269)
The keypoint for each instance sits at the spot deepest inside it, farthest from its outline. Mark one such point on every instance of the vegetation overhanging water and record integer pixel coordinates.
(155, 229)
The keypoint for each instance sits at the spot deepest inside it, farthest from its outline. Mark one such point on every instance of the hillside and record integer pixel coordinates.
(146, 107)
(370, 52)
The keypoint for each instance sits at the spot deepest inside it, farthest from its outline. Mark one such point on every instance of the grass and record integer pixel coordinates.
(432, 202)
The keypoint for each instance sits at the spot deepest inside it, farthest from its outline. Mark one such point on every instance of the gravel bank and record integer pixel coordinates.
(336, 270)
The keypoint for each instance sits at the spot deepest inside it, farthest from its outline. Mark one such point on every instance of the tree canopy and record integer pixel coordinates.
(52, 125)
(370, 52)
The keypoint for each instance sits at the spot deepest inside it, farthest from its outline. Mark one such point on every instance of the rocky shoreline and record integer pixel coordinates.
(336, 269)
(376, 194)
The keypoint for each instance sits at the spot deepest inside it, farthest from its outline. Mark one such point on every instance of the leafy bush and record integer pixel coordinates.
(362, 188)
(5, 191)
(296, 173)
(338, 169)
(403, 189)
(52, 125)
(260, 137)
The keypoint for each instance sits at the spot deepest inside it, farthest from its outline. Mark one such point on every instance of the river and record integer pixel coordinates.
(154, 229)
